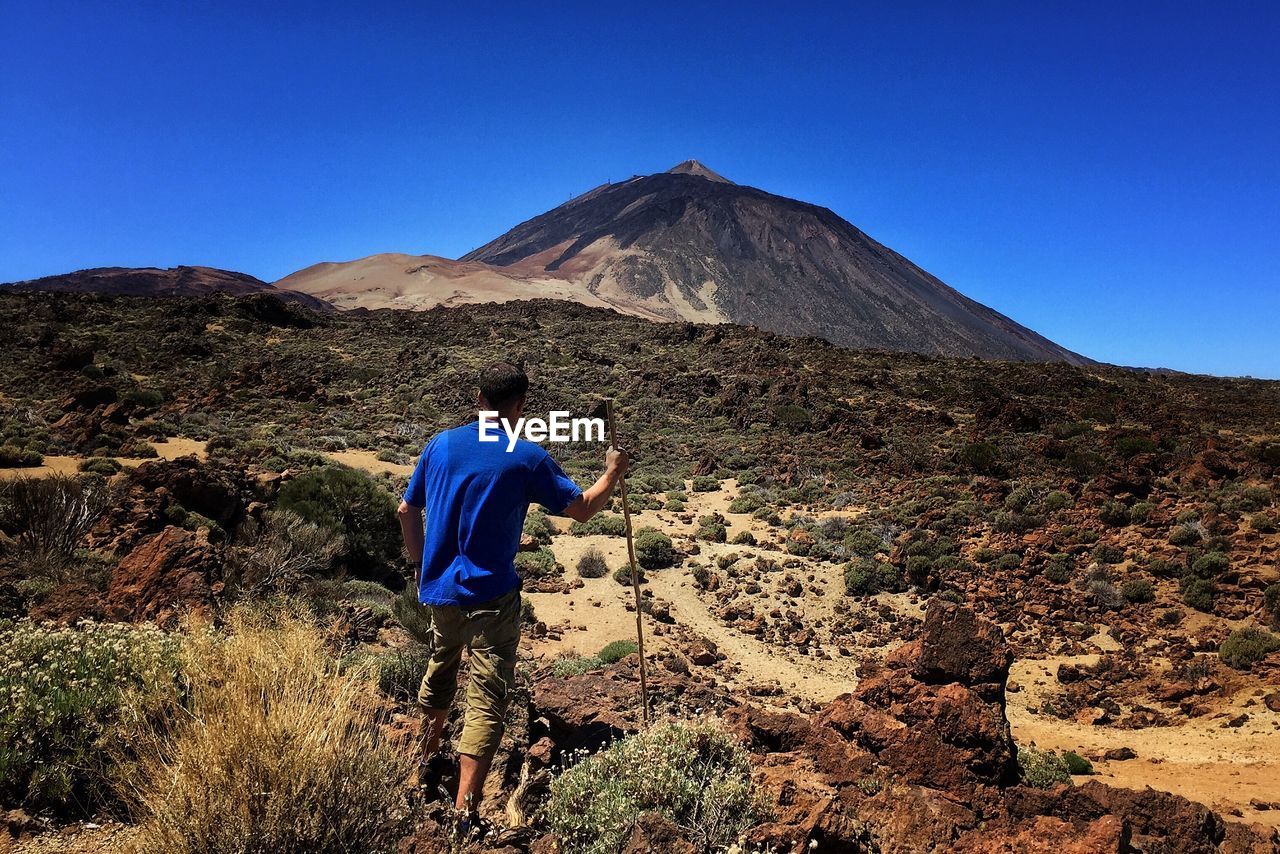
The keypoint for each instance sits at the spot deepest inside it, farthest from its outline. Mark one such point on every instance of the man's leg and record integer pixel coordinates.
(493, 667)
(440, 682)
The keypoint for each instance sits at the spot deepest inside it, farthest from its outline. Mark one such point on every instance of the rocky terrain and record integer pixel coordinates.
(907, 587)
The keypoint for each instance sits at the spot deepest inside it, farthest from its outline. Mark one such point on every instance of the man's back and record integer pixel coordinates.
(476, 495)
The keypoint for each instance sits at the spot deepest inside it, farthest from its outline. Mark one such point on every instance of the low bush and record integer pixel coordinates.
(1138, 590)
(864, 577)
(694, 775)
(72, 702)
(654, 549)
(538, 526)
(12, 456)
(537, 564)
(712, 529)
(1076, 764)
(48, 517)
(1199, 593)
(1058, 568)
(1042, 769)
(1210, 565)
(743, 538)
(610, 524)
(616, 651)
(353, 504)
(1245, 647)
(705, 483)
(592, 564)
(575, 665)
(104, 466)
(281, 554)
(1184, 535)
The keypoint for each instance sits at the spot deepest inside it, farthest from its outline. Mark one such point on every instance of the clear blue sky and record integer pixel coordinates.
(1107, 176)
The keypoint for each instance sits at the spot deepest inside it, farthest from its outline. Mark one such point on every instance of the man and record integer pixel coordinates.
(475, 495)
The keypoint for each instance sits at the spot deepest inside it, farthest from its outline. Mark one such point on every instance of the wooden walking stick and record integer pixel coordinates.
(635, 574)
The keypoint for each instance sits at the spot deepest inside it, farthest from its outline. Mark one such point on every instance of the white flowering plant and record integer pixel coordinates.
(694, 775)
(71, 697)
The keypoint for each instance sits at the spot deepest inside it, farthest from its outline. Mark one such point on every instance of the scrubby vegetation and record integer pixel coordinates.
(693, 775)
(72, 702)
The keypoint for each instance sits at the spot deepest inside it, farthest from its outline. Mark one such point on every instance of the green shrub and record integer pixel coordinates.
(1210, 565)
(11, 456)
(693, 775)
(1058, 568)
(1138, 590)
(400, 671)
(712, 529)
(144, 398)
(1199, 593)
(654, 549)
(71, 703)
(1131, 446)
(1108, 554)
(538, 526)
(622, 575)
(745, 504)
(592, 564)
(609, 524)
(1141, 511)
(1245, 647)
(537, 564)
(863, 541)
(1056, 500)
(1184, 535)
(351, 503)
(705, 483)
(918, 568)
(413, 615)
(1271, 603)
(980, 457)
(1076, 764)
(1042, 769)
(574, 665)
(675, 506)
(864, 577)
(616, 651)
(1115, 514)
(104, 466)
(1263, 523)
(744, 538)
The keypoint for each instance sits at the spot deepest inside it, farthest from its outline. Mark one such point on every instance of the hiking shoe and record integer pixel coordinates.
(470, 827)
(435, 776)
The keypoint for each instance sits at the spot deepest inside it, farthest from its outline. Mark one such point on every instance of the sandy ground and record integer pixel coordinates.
(1204, 759)
(169, 449)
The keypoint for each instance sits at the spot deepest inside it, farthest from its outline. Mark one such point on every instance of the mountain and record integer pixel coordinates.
(690, 244)
(393, 280)
(156, 281)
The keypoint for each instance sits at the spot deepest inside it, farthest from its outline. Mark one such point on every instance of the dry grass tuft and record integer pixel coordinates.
(280, 752)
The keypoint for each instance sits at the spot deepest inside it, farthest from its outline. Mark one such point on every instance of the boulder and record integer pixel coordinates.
(166, 574)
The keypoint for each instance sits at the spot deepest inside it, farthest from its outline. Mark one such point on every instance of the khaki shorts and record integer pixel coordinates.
(491, 632)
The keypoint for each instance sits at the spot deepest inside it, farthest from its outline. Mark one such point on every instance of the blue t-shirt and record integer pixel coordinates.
(476, 495)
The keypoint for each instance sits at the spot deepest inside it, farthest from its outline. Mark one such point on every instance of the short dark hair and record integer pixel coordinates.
(502, 383)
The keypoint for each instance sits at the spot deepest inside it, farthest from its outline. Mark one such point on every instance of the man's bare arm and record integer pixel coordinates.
(593, 500)
(411, 531)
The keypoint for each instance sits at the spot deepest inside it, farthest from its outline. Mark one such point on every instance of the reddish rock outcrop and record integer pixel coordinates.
(165, 575)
